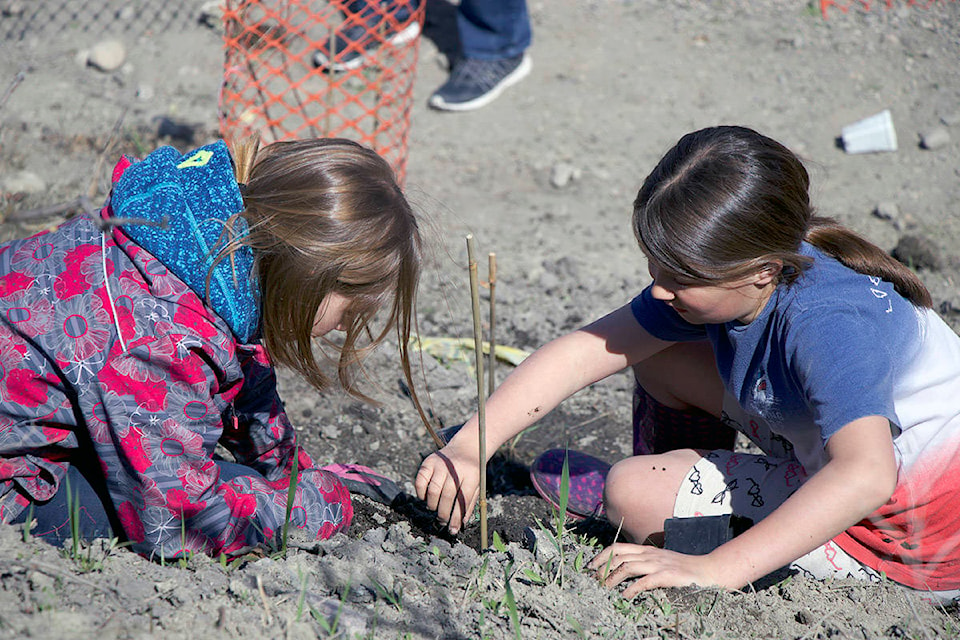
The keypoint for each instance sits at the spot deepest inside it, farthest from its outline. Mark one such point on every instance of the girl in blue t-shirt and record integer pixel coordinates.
(806, 338)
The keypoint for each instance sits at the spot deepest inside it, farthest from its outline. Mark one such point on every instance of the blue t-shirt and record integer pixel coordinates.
(824, 351)
(834, 346)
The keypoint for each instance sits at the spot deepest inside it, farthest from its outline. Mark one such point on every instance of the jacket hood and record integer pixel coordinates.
(175, 206)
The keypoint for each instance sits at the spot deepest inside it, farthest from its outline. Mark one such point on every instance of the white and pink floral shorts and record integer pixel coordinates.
(752, 486)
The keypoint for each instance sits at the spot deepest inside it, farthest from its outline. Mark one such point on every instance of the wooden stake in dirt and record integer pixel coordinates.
(492, 273)
(481, 413)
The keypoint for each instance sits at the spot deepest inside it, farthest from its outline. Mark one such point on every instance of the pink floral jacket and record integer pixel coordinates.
(106, 351)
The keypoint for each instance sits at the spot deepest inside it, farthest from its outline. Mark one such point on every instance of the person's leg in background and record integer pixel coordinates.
(494, 37)
(367, 25)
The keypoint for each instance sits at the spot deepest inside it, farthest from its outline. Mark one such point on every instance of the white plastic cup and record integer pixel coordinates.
(870, 135)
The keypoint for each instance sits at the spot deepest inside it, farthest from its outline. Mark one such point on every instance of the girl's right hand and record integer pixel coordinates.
(449, 482)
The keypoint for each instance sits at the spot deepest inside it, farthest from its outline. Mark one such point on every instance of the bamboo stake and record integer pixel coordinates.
(492, 273)
(481, 413)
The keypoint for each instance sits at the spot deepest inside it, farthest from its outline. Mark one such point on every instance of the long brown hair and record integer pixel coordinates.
(725, 202)
(327, 216)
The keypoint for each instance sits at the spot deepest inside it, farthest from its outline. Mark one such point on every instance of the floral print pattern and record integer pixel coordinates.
(153, 412)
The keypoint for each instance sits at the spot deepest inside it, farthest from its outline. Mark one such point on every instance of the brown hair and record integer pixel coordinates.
(725, 202)
(326, 215)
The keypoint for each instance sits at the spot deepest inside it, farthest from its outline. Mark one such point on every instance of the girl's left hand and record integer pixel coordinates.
(658, 568)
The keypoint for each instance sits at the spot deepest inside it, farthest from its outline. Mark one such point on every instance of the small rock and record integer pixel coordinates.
(330, 431)
(350, 622)
(239, 589)
(22, 182)
(375, 536)
(934, 138)
(107, 55)
(165, 586)
(887, 211)
(211, 15)
(40, 581)
(13, 9)
(537, 540)
(562, 174)
(918, 252)
(389, 546)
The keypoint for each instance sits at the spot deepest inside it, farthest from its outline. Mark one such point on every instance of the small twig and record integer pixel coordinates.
(916, 614)
(46, 212)
(94, 186)
(107, 621)
(492, 273)
(263, 599)
(584, 423)
(481, 411)
(17, 79)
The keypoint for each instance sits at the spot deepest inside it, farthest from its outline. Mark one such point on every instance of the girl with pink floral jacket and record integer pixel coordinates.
(134, 342)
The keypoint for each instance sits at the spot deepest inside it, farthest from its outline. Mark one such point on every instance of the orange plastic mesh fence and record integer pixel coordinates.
(867, 5)
(274, 85)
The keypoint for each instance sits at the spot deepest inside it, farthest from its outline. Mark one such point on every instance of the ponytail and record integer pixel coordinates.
(861, 255)
(244, 153)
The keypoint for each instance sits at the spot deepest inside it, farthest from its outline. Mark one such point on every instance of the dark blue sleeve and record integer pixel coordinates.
(662, 322)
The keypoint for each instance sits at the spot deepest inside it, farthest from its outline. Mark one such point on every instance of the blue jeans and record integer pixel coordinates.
(95, 520)
(493, 29)
(489, 29)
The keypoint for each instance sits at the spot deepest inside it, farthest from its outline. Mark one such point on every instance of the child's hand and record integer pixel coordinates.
(658, 568)
(449, 482)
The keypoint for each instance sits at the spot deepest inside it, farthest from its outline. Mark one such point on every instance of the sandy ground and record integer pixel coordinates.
(614, 85)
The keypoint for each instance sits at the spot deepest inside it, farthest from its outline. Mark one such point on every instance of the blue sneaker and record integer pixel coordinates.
(475, 83)
(356, 45)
